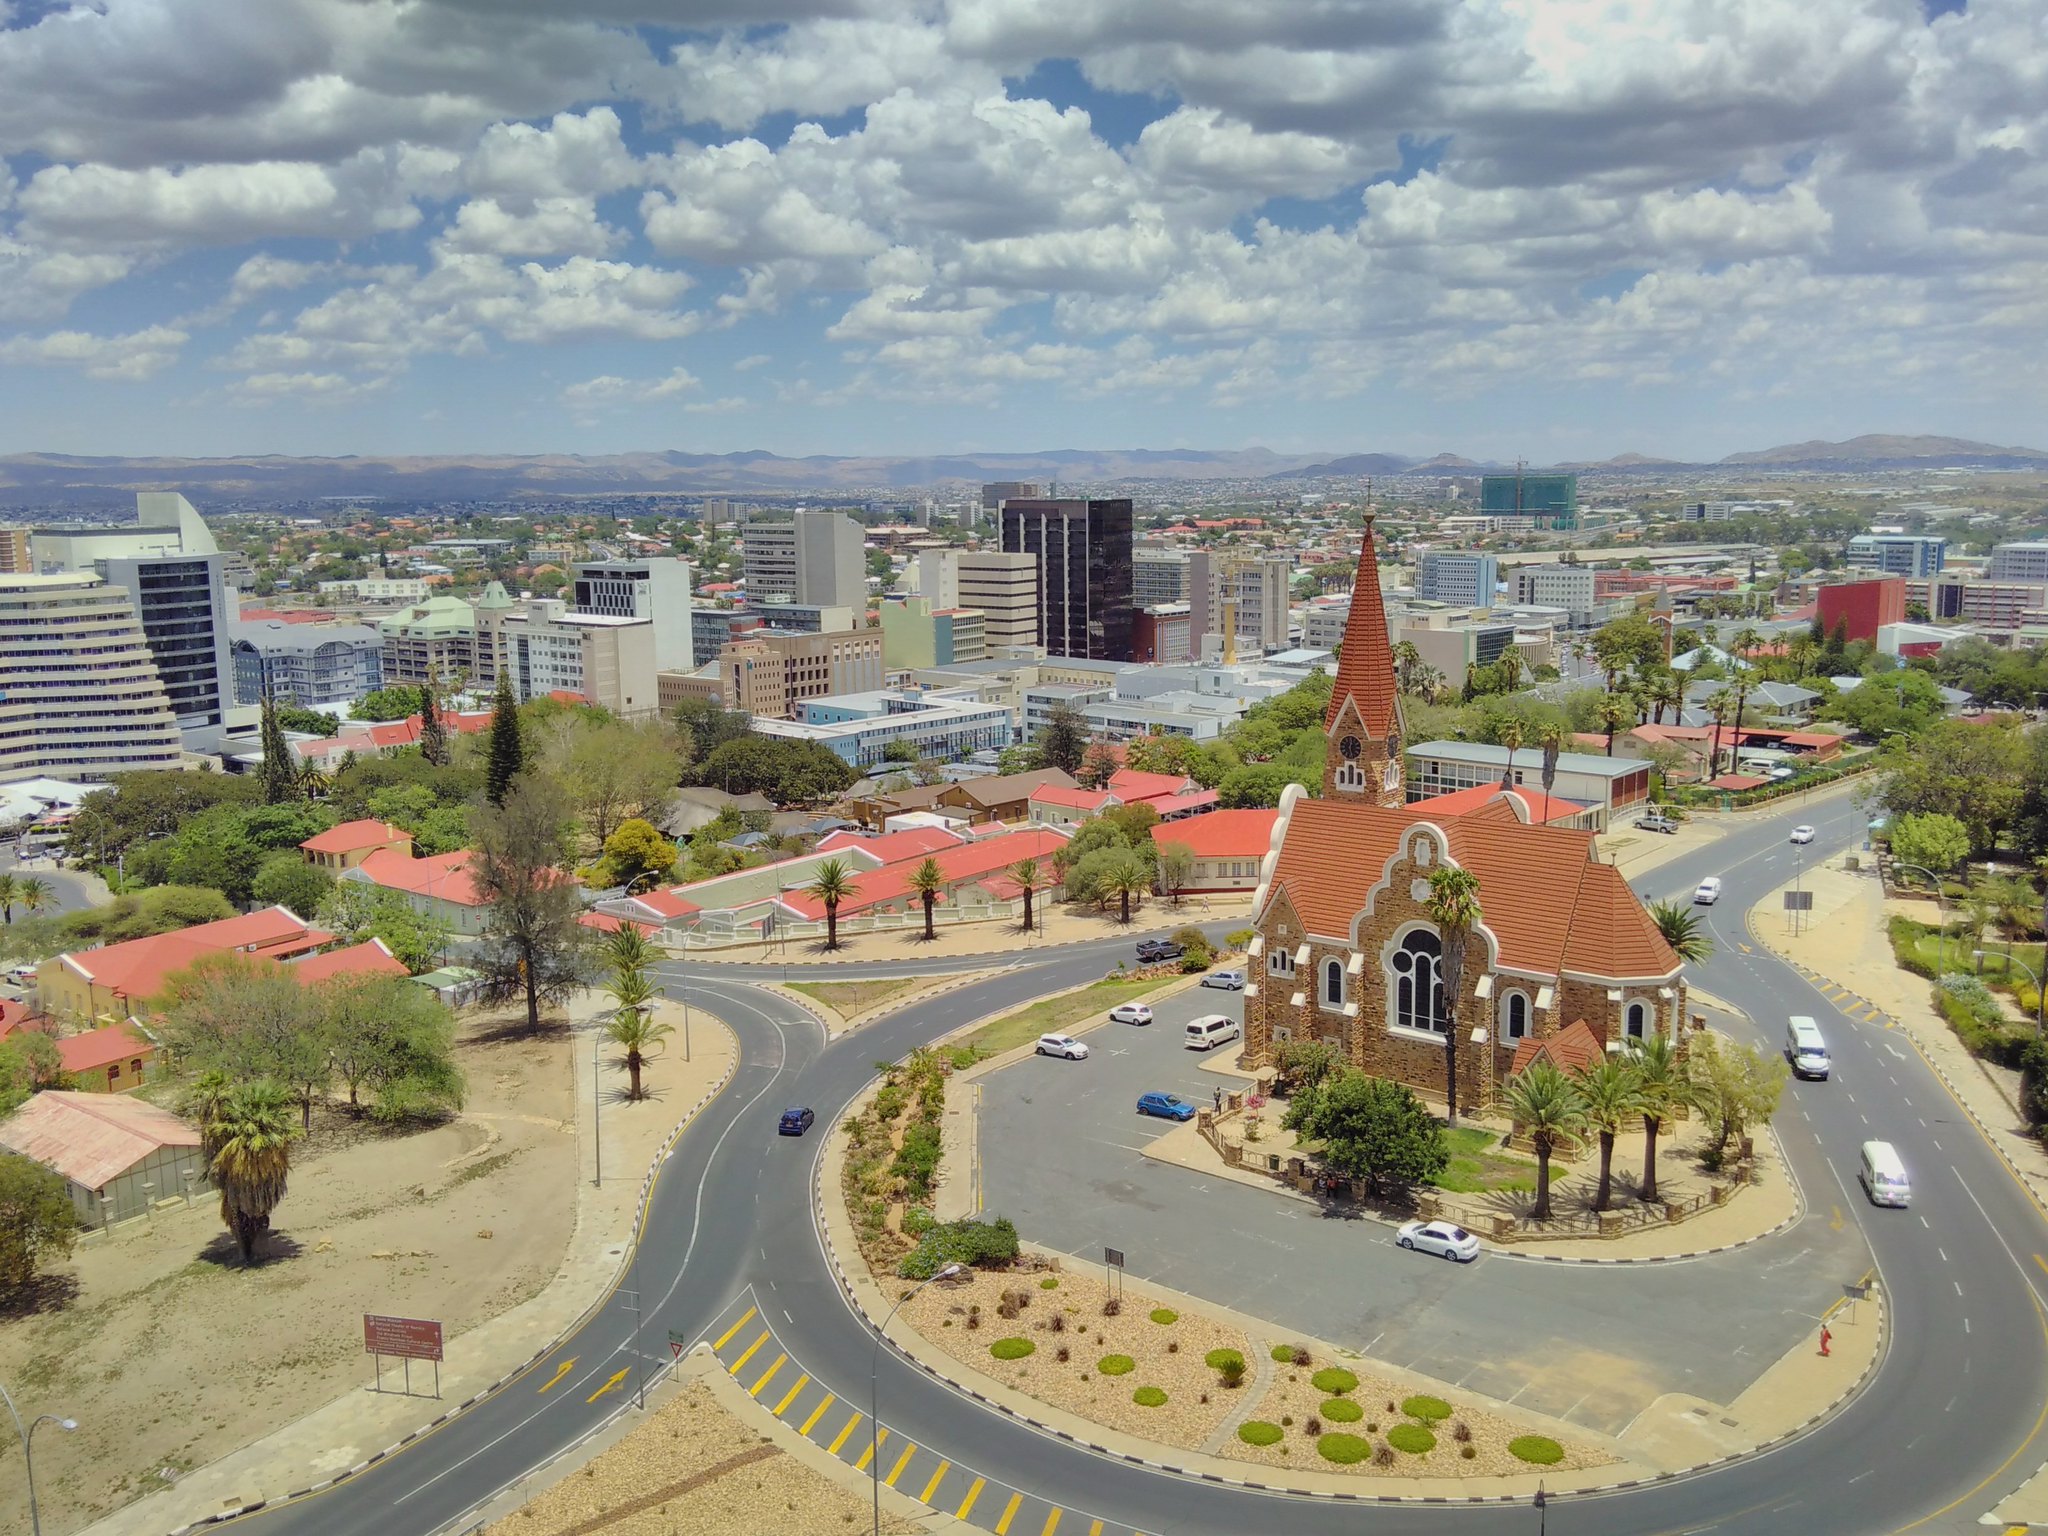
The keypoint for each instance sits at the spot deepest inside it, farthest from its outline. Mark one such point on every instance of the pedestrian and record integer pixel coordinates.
(1219, 1101)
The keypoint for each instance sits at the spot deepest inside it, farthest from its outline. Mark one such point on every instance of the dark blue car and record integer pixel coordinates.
(1168, 1106)
(795, 1122)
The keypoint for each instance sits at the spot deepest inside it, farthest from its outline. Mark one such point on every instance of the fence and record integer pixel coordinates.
(721, 930)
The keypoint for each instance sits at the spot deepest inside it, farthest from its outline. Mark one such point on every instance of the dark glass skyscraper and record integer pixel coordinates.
(1083, 549)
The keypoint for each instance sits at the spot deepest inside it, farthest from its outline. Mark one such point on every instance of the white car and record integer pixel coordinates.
(1440, 1238)
(1062, 1045)
(1708, 893)
(1130, 1013)
(1229, 981)
(1802, 834)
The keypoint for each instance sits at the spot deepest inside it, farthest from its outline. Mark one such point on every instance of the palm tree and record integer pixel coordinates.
(1722, 701)
(929, 881)
(1610, 1096)
(1408, 666)
(1661, 1087)
(1746, 640)
(314, 784)
(1453, 906)
(1682, 929)
(831, 883)
(1509, 666)
(1124, 876)
(1745, 679)
(632, 1025)
(1667, 692)
(34, 894)
(1551, 739)
(250, 1130)
(10, 893)
(1614, 713)
(1027, 875)
(1511, 738)
(1545, 1105)
(2014, 896)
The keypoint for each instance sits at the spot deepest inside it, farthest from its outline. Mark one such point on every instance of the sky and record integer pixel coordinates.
(1550, 229)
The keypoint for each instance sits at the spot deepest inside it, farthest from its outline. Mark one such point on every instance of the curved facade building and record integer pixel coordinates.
(80, 697)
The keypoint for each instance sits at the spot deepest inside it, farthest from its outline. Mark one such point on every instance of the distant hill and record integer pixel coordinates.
(1351, 465)
(1882, 451)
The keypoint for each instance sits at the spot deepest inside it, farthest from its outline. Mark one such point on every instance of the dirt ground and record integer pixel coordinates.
(169, 1354)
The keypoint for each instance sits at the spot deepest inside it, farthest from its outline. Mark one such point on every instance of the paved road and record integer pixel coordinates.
(1952, 1423)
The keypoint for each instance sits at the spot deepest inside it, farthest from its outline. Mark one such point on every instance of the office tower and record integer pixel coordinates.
(79, 693)
(15, 559)
(815, 557)
(1004, 589)
(433, 640)
(1159, 576)
(1895, 554)
(1457, 576)
(604, 660)
(996, 492)
(1259, 589)
(311, 664)
(657, 590)
(1569, 587)
(938, 577)
(1543, 501)
(1083, 550)
(768, 674)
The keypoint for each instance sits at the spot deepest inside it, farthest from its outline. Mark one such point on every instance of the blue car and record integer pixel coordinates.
(795, 1122)
(1168, 1106)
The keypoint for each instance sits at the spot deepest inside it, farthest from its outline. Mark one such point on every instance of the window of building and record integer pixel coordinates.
(1350, 777)
(1280, 962)
(1416, 981)
(1636, 1024)
(1514, 1015)
(1333, 983)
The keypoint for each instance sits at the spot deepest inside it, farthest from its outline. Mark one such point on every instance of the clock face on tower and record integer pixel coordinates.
(1350, 746)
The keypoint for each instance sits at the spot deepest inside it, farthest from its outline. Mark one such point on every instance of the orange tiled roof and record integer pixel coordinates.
(1365, 671)
(369, 958)
(1477, 799)
(1129, 784)
(99, 1048)
(92, 1138)
(352, 835)
(1575, 1048)
(138, 968)
(445, 876)
(1221, 834)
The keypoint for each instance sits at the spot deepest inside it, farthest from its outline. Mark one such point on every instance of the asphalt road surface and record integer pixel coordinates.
(1952, 1422)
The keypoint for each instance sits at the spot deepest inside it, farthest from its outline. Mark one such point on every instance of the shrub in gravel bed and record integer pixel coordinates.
(1048, 1284)
(1469, 1452)
(1011, 1349)
(1149, 1397)
(1300, 1355)
(1335, 1381)
(1345, 1450)
(1063, 1354)
(1116, 1365)
(1384, 1456)
(1259, 1432)
(1341, 1410)
(1539, 1449)
(1219, 1359)
(1165, 1317)
(1283, 1354)
(1461, 1432)
(1411, 1438)
(1313, 1427)
(1428, 1409)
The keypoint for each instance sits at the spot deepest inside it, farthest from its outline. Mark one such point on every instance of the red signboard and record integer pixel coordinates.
(404, 1338)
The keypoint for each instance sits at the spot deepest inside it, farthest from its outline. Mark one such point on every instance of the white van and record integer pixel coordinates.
(1884, 1176)
(1805, 1048)
(1212, 1030)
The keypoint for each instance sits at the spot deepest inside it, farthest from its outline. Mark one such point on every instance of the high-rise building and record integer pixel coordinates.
(1004, 588)
(1159, 576)
(1083, 552)
(434, 640)
(1464, 577)
(1256, 588)
(815, 557)
(916, 633)
(1569, 587)
(15, 559)
(1861, 608)
(2024, 561)
(996, 492)
(768, 674)
(79, 693)
(1899, 554)
(310, 664)
(1546, 501)
(657, 590)
(608, 661)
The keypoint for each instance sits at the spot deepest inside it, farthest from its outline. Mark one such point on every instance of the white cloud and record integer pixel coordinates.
(553, 226)
(268, 388)
(116, 359)
(609, 389)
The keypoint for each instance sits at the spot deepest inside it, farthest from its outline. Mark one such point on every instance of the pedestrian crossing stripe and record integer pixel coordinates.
(1052, 1522)
(932, 1487)
(901, 1462)
(726, 1337)
(967, 1504)
(790, 1396)
(1009, 1513)
(817, 1413)
(767, 1376)
(879, 1439)
(840, 1438)
(741, 1363)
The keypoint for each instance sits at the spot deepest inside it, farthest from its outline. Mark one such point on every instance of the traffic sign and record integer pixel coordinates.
(677, 1343)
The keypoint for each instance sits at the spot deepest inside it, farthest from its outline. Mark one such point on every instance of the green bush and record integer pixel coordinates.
(1537, 1449)
(1334, 1381)
(1427, 1409)
(1259, 1432)
(917, 1163)
(1048, 1284)
(983, 1244)
(1223, 1359)
(1011, 1349)
(1149, 1397)
(1116, 1365)
(1411, 1438)
(1165, 1316)
(1345, 1450)
(1283, 1354)
(917, 1221)
(1973, 1012)
(1341, 1410)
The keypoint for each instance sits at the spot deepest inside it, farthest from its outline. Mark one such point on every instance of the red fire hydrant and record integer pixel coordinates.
(1825, 1336)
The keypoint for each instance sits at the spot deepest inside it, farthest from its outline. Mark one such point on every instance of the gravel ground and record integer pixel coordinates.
(694, 1470)
(1078, 1386)
(1293, 1394)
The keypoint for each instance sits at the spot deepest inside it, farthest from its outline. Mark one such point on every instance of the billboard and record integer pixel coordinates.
(404, 1338)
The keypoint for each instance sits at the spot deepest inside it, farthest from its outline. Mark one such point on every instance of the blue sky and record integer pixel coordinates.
(832, 226)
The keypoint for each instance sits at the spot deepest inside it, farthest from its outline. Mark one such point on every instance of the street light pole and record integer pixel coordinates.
(597, 1107)
(28, 1451)
(874, 1388)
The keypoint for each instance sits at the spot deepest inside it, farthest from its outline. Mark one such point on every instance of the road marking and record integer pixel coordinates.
(1052, 1522)
(1835, 1221)
(560, 1371)
(932, 1487)
(817, 1413)
(618, 1378)
(790, 1396)
(725, 1338)
(767, 1376)
(1944, 1254)
(1009, 1513)
(741, 1364)
(840, 1438)
(901, 1462)
(973, 1493)
(876, 1441)
(1094, 1528)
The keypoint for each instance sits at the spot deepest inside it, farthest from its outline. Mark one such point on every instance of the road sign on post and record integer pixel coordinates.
(677, 1343)
(1113, 1259)
(406, 1338)
(1799, 901)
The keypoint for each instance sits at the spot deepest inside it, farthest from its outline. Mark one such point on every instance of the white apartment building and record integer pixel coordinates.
(376, 589)
(1898, 554)
(607, 660)
(1004, 587)
(1262, 587)
(79, 693)
(2026, 561)
(656, 590)
(815, 557)
(1569, 587)
(1460, 576)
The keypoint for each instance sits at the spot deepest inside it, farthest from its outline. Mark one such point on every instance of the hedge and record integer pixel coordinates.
(1812, 778)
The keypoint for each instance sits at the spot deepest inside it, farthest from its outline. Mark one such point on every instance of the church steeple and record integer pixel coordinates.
(1362, 758)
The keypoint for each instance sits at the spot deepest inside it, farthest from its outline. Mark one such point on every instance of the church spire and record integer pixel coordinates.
(1363, 723)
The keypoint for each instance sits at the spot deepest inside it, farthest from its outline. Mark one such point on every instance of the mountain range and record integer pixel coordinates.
(56, 479)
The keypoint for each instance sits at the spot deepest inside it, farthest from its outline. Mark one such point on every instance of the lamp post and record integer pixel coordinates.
(874, 1373)
(2040, 1002)
(28, 1451)
(1940, 905)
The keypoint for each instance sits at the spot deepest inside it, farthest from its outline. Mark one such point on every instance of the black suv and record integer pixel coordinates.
(1159, 949)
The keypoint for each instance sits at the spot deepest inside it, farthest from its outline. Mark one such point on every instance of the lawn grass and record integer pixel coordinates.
(851, 997)
(1056, 1013)
(1477, 1164)
(1954, 951)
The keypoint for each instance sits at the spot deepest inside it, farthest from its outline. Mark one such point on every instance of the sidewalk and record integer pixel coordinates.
(339, 1439)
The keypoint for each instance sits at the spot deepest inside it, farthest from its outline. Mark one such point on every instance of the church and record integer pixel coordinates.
(1345, 951)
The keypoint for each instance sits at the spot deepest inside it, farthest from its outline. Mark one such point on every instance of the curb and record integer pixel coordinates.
(639, 1216)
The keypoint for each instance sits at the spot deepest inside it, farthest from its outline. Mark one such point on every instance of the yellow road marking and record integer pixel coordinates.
(817, 1413)
(932, 1487)
(767, 1376)
(967, 1504)
(2041, 1261)
(840, 1438)
(1835, 1221)
(1009, 1513)
(726, 1337)
(790, 1396)
(1052, 1522)
(901, 1462)
(876, 1441)
(1095, 1528)
(741, 1363)
(618, 1377)
(560, 1371)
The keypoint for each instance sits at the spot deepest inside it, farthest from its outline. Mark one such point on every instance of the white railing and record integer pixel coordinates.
(710, 932)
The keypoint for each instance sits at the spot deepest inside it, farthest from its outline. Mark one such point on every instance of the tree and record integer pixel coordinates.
(1978, 774)
(1720, 705)
(1610, 1096)
(394, 703)
(507, 751)
(1098, 766)
(1934, 841)
(831, 883)
(635, 850)
(1545, 1106)
(1616, 711)
(709, 725)
(1028, 877)
(29, 1064)
(1453, 906)
(1372, 1129)
(532, 943)
(929, 881)
(630, 959)
(1661, 1086)
(1063, 739)
(393, 1038)
(1683, 930)
(307, 722)
(1551, 740)
(1257, 786)
(1176, 869)
(1511, 738)
(1124, 875)
(33, 893)
(37, 1222)
(613, 770)
(787, 772)
(1301, 1065)
(433, 735)
(10, 893)
(279, 774)
(149, 804)
(1628, 644)
(355, 910)
(249, 1133)
(1735, 1087)
(248, 1019)
(287, 880)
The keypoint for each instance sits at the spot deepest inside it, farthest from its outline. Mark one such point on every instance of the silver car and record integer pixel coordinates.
(1229, 981)
(1062, 1045)
(1442, 1238)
